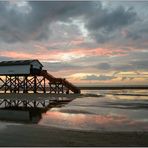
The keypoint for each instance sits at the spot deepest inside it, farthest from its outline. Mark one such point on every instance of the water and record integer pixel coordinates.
(115, 110)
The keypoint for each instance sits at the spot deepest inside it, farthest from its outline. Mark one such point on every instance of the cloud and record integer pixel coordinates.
(3, 58)
(104, 23)
(83, 33)
(113, 20)
(130, 35)
(127, 78)
(132, 66)
(103, 66)
(59, 66)
(140, 64)
(135, 32)
(100, 77)
(35, 24)
(48, 53)
(32, 20)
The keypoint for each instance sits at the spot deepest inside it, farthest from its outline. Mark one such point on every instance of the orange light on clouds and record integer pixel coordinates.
(46, 53)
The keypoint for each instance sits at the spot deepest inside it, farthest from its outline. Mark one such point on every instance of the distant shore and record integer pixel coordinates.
(117, 87)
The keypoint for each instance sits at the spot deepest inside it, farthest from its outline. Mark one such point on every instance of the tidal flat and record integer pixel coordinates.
(94, 118)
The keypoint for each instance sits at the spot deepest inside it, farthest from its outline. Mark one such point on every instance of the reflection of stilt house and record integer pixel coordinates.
(25, 76)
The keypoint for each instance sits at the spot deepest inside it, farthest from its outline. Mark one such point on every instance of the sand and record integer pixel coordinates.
(36, 135)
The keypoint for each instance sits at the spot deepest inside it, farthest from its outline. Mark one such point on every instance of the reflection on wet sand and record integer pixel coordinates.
(88, 112)
(104, 113)
(29, 114)
(93, 122)
(22, 116)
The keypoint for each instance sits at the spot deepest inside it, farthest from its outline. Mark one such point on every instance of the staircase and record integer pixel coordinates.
(66, 83)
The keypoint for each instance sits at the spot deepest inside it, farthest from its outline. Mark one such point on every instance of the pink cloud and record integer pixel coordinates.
(42, 52)
(98, 52)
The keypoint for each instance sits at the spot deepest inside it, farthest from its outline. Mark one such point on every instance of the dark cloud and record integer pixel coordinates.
(140, 64)
(16, 26)
(59, 66)
(128, 63)
(127, 78)
(100, 77)
(132, 66)
(35, 24)
(103, 66)
(133, 35)
(103, 24)
(124, 67)
(138, 33)
(112, 20)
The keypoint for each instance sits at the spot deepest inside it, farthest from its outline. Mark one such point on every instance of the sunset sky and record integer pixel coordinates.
(89, 42)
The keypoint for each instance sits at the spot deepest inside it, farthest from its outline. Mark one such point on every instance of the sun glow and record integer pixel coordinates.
(70, 56)
(81, 75)
(19, 6)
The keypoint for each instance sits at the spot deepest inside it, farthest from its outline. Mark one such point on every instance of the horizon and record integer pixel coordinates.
(87, 42)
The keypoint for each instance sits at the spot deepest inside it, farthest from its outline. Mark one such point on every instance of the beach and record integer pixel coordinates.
(35, 135)
(94, 118)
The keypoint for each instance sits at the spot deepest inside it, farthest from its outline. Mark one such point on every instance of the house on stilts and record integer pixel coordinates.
(28, 76)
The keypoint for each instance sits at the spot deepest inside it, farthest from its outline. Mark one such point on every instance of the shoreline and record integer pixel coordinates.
(111, 87)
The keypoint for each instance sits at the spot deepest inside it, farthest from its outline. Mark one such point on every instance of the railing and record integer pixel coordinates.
(66, 83)
(47, 75)
(71, 86)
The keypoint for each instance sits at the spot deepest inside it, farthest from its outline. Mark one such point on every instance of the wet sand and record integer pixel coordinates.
(36, 135)
(101, 112)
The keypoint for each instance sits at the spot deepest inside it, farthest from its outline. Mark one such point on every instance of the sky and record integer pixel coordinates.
(86, 42)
